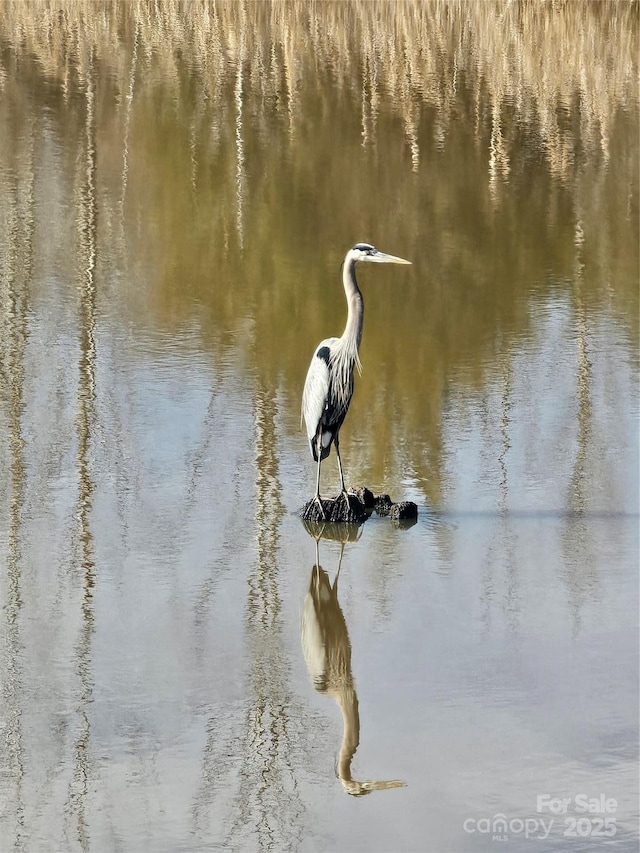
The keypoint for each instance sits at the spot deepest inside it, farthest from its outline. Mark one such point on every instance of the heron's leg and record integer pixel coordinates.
(317, 567)
(319, 453)
(335, 582)
(336, 441)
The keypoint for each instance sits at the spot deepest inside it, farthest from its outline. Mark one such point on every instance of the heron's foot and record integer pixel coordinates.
(318, 500)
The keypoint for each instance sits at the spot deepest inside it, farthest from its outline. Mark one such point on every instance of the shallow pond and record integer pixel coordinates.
(182, 666)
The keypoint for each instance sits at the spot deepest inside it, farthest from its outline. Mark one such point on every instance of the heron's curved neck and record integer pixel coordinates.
(355, 305)
(348, 703)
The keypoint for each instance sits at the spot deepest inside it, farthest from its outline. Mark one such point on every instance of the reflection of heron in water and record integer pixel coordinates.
(327, 653)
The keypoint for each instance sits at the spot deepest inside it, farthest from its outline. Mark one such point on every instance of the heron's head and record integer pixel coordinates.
(367, 252)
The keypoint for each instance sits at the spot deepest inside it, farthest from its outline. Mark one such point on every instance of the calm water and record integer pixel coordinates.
(178, 186)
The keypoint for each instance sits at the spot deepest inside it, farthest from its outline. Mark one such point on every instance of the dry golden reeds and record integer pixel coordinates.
(547, 61)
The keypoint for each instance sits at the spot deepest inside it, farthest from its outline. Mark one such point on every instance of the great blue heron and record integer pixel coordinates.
(329, 384)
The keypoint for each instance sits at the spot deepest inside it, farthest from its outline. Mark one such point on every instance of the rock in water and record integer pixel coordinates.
(336, 510)
(382, 504)
(365, 496)
(362, 502)
(404, 511)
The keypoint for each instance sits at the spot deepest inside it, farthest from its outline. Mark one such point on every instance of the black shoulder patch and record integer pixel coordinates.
(324, 354)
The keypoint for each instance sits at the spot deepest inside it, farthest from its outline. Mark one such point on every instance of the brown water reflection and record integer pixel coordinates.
(178, 185)
(206, 115)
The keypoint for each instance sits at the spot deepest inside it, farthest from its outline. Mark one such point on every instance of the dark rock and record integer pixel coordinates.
(383, 504)
(337, 509)
(404, 511)
(361, 502)
(365, 496)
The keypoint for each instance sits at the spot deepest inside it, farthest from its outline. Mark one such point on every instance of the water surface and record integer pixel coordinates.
(179, 184)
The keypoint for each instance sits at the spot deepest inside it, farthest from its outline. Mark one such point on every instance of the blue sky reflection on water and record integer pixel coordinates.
(490, 642)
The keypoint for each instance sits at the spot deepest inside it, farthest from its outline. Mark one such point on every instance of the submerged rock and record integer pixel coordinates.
(405, 511)
(383, 504)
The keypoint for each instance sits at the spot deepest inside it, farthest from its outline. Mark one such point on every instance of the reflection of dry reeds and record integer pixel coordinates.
(255, 124)
(560, 66)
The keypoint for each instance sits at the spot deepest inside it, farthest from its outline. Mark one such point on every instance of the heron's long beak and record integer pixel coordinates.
(381, 258)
